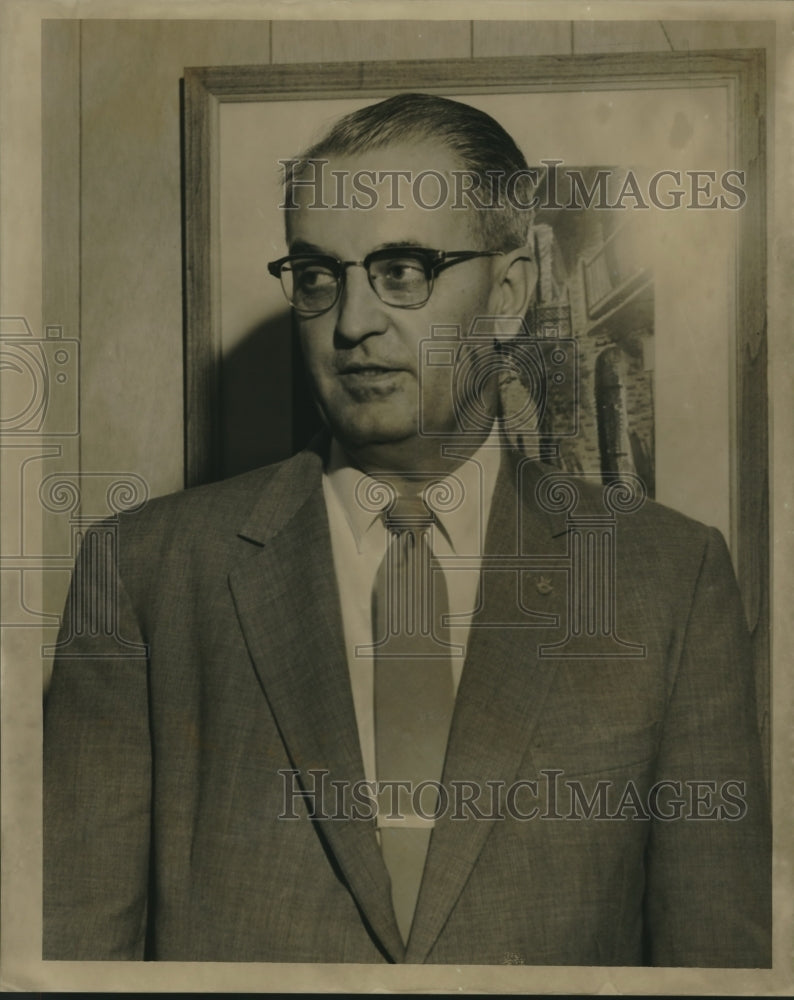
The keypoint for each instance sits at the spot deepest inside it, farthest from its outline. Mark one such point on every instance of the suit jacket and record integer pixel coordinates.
(202, 684)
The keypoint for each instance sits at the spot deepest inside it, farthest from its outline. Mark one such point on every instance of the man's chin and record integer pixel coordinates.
(358, 438)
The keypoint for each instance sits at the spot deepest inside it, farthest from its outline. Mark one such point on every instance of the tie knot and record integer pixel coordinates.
(408, 514)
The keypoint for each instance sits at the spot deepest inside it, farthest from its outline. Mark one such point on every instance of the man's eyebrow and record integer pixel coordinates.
(303, 246)
(402, 244)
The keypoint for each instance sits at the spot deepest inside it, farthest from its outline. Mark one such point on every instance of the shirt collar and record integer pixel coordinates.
(461, 500)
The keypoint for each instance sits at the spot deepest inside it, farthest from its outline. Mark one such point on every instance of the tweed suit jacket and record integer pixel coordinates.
(174, 739)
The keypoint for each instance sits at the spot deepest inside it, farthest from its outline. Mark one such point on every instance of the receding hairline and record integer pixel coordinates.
(473, 140)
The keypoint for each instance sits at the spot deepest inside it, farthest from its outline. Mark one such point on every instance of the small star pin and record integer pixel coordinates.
(544, 585)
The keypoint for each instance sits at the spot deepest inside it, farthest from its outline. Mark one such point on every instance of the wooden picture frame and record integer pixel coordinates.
(740, 74)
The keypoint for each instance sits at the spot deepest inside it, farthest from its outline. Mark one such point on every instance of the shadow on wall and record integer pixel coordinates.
(267, 412)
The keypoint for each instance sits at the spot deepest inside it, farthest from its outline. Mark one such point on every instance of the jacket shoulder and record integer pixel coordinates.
(209, 501)
(210, 519)
(653, 543)
(229, 501)
(624, 500)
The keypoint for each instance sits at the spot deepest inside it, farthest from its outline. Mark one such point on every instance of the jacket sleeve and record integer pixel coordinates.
(708, 889)
(97, 769)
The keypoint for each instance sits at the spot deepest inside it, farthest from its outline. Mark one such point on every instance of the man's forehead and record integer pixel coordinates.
(354, 232)
(403, 192)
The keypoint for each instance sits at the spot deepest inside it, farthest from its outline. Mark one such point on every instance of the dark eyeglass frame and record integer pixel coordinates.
(434, 261)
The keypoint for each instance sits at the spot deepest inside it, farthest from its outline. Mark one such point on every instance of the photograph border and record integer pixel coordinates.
(767, 23)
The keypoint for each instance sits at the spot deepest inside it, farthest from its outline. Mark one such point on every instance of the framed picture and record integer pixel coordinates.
(650, 233)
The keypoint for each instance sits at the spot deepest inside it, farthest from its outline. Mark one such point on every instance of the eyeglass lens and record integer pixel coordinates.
(313, 284)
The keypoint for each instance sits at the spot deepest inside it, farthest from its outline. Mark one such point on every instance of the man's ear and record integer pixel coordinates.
(516, 279)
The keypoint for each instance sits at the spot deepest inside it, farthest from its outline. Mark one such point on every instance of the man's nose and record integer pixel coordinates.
(361, 312)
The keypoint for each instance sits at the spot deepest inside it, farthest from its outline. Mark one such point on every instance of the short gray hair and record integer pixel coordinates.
(482, 145)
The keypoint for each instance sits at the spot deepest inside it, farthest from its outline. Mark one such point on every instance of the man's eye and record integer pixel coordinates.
(404, 270)
(310, 277)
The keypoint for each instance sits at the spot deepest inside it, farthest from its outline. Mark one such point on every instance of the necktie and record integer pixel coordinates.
(414, 696)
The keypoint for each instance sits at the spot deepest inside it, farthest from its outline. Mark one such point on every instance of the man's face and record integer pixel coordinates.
(363, 355)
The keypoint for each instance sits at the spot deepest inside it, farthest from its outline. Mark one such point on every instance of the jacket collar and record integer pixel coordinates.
(295, 480)
(290, 487)
(503, 687)
(288, 606)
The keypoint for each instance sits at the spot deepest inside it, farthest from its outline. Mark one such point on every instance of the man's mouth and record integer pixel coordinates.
(369, 370)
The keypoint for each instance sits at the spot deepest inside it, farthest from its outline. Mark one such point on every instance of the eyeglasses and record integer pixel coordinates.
(399, 276)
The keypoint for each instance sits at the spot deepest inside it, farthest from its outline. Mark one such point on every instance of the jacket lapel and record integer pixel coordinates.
(288, 605)
(501, 694)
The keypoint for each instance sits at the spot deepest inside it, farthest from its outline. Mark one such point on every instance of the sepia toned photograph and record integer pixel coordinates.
(394, 435)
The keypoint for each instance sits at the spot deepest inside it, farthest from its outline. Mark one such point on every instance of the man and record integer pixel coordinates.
(408, 696)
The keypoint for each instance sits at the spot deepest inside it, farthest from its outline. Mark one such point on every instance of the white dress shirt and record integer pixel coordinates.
(359, 540)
